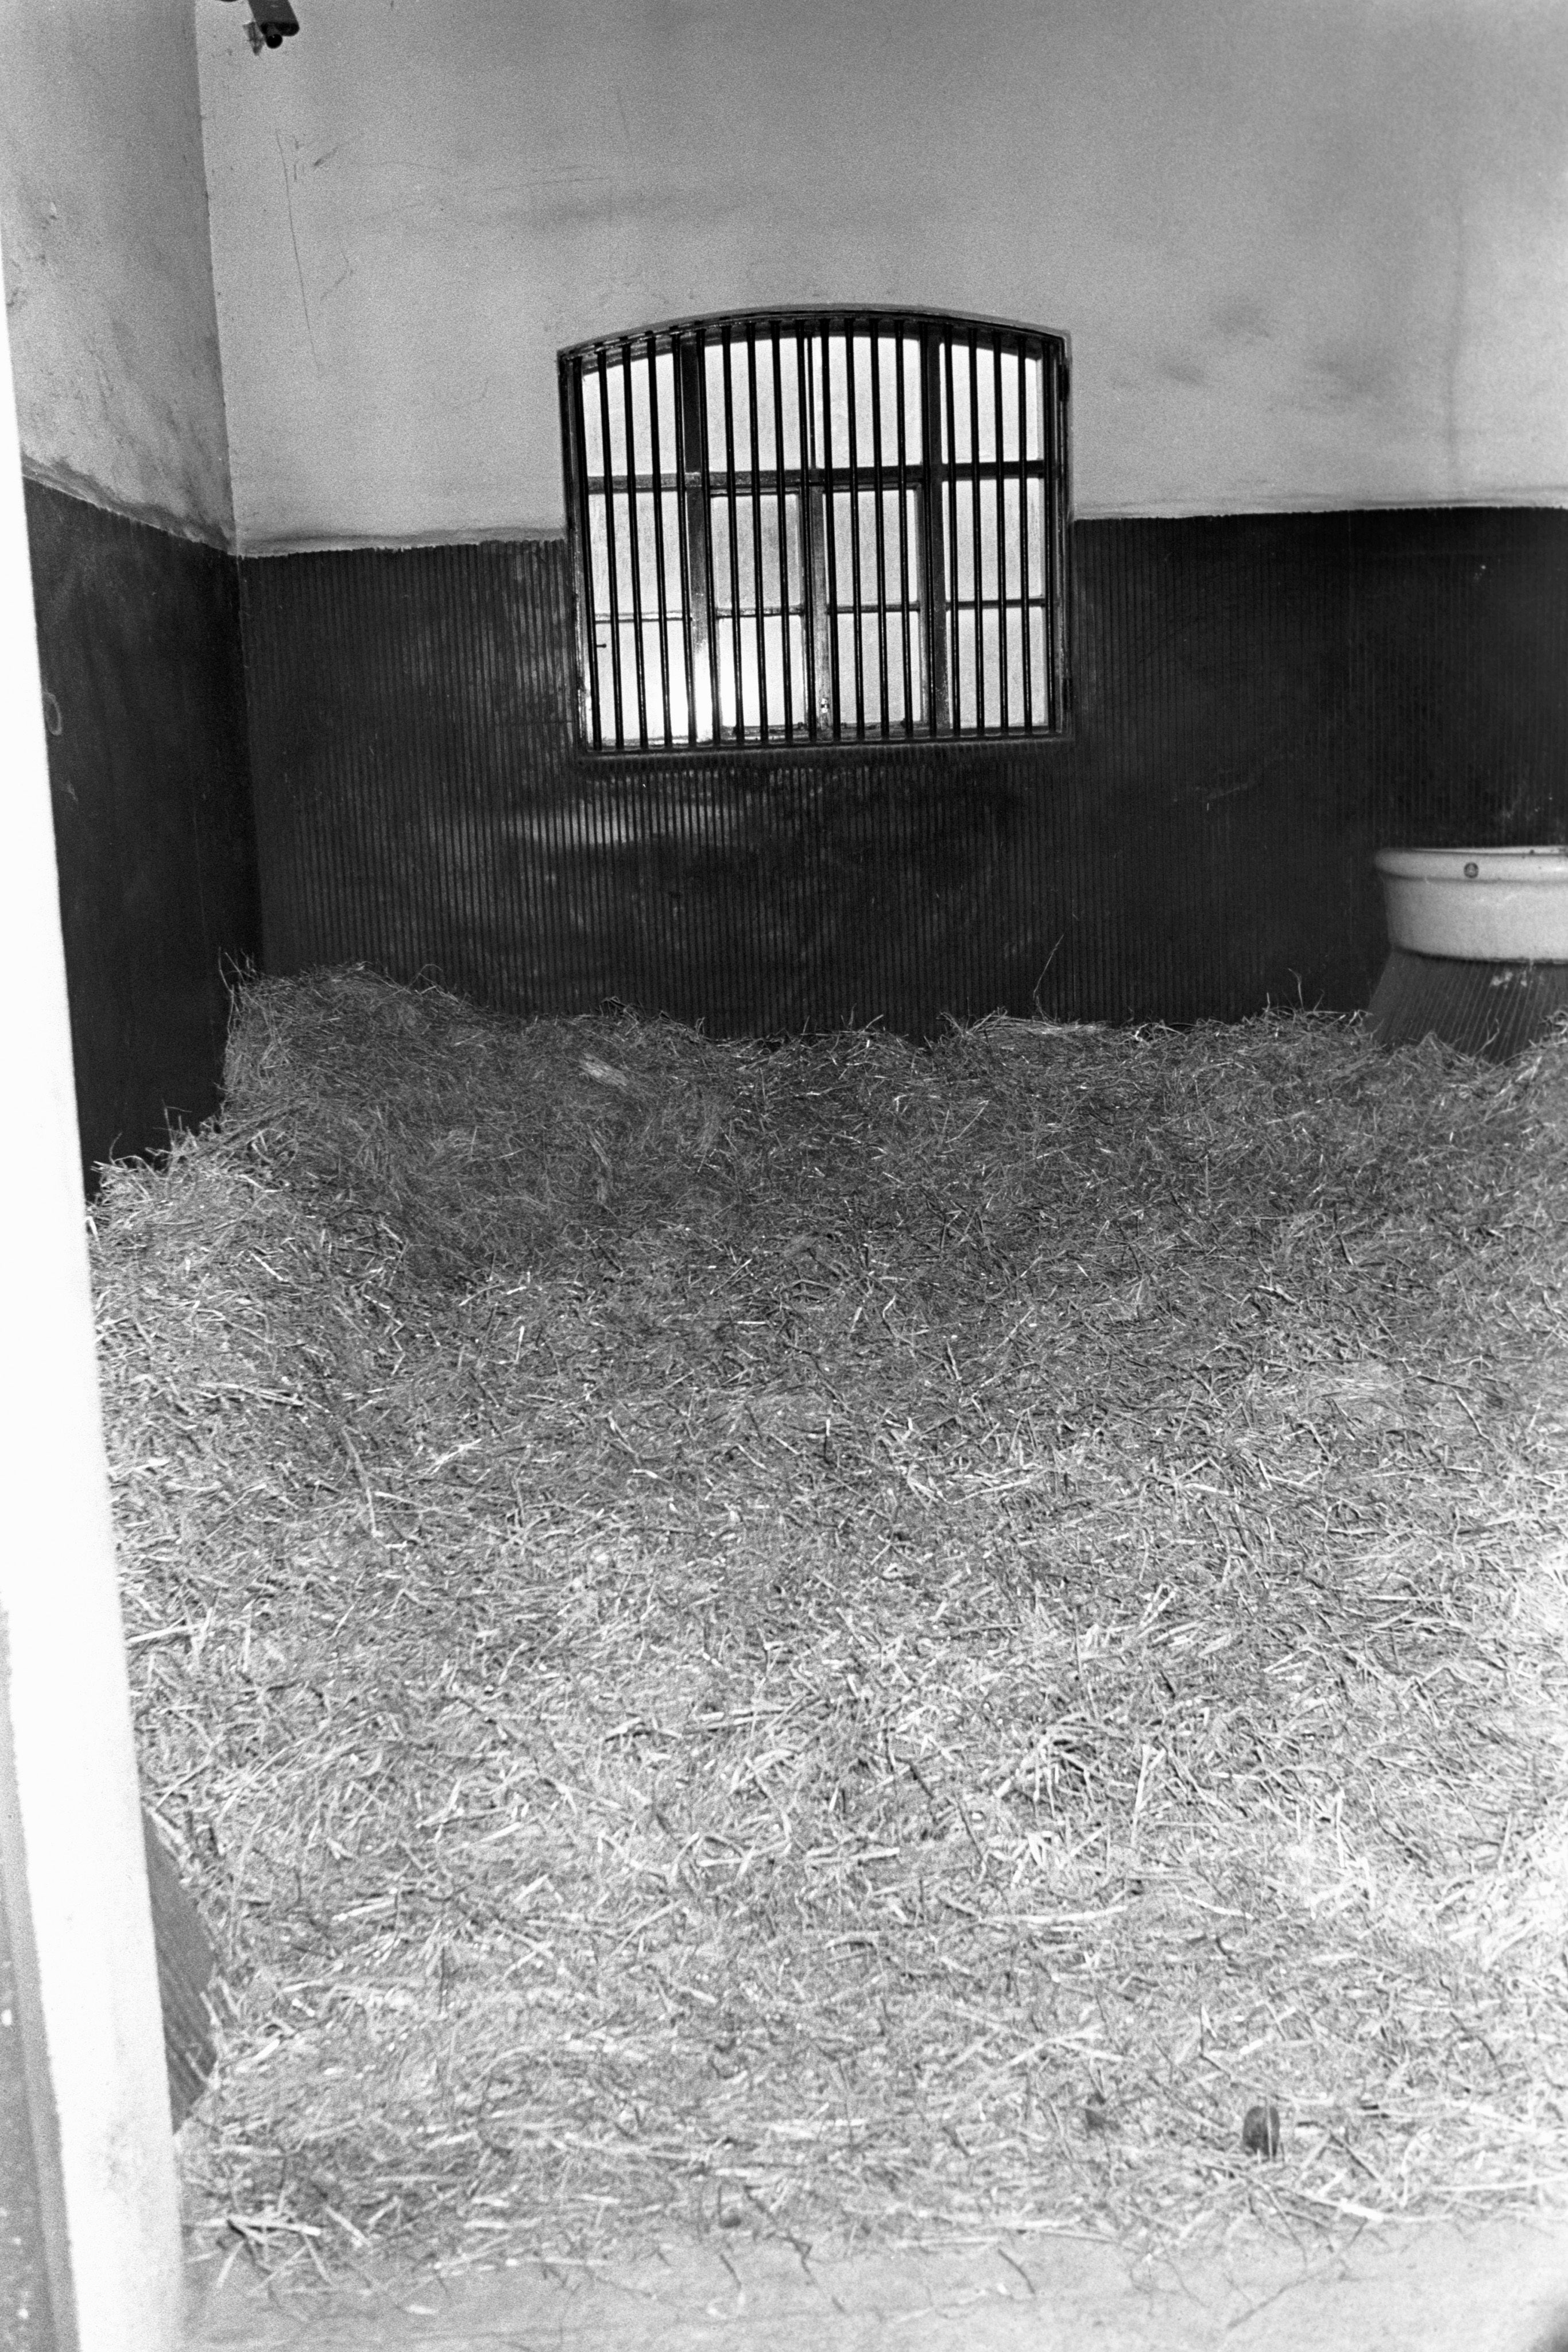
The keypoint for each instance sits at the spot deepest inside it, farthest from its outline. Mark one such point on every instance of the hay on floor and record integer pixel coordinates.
(849, 1641)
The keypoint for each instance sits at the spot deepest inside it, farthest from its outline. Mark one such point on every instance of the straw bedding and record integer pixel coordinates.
(847, 1640)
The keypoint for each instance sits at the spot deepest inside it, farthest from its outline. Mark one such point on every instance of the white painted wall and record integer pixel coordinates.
(108, 265)
(1311, 253)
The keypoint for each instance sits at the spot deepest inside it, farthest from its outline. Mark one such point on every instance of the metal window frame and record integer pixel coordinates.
(826, 708)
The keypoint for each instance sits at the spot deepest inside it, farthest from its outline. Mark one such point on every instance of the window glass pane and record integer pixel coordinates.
(612, 377)
(746, 544)
(862, 403)
(956, 445)
(1037, 546)
(713, 403)
(1040, 666)
(1018, 708)
(593, 442)
(620, 525)
(669, 520)
(760, 649)
(647, 552)
(964, 676)
(974, 675)
(844, 632)
(1011, 363)
(792, 556)
(837, 437)
(909, 573)
(1012, 540)
(984, 395)
(789, 399)
(663, 372)
(740, 403)
(959, 520)
(813, 420)
(898, 563)
(604, 682)
(991, 664)
(901, 628)
(795, 645)
(910, 636)
(766, 424)
(1034, 408)
(844, 543)
(598, 557)
(642, 446)
(640, 373)
(718, 532)
(888, 349)
(666, 719)
(614, 515)
(875, 401)
(988, 497)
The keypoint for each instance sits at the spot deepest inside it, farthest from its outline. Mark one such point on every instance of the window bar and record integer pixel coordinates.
(683, 552)
(934, 535)
(731, 532)
(1060, 620)
(879, 477)
(705, 541)
(757, 532)
(575, 442)
(814, 584)
(702, 662)
(660, 586)
(954, 675)
(634, 549)
(1047, 522)
(610, 547)
(975, 530)
(783, 496)
(1022, 357)
(830, 537)
(851, 401)
(904, 594)
(1001, 526)
(1047, 518)
(913, 582)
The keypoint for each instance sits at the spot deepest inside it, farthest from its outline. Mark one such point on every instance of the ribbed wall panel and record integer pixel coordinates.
(139, 648)
(1493, 1009)
(1261, 702)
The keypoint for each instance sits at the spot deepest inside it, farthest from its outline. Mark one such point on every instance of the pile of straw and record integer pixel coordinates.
(847, 1640)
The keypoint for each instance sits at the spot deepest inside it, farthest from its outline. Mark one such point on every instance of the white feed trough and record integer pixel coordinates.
(1479, 946)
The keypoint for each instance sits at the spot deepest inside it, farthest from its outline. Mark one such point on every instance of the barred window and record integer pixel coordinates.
(815, 526)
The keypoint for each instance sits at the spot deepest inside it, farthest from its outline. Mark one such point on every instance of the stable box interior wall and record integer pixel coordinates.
(109, 306)
(1315, 265)
(1262, 701)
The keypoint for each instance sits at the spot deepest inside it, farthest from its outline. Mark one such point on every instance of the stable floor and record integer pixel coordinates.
(1435, 2287)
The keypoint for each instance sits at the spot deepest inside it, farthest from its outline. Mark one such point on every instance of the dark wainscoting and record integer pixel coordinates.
(139, 645)
(1261, 702)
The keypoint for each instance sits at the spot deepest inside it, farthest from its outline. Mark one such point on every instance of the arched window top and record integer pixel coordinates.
(802, 527)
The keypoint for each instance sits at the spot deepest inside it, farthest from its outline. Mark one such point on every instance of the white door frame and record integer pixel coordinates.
(71, 1853)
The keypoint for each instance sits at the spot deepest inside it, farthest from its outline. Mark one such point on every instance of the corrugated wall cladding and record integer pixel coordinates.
(1491, 1009)
(139, 648)
(1262, 701)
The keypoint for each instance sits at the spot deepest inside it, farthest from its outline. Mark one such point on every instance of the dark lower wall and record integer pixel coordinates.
(139, 645)
(1261, 702)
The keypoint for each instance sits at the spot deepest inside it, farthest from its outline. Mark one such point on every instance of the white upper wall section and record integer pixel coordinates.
(1311, 253)
(109, 291)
